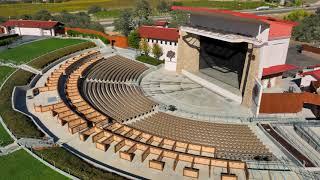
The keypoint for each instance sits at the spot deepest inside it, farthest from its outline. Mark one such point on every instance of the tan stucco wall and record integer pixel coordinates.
(253, 73)
(188, 52)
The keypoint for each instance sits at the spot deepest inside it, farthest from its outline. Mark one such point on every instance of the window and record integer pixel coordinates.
(170, 43)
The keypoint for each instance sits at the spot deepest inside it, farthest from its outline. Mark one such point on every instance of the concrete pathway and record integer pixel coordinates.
(9, 149)
(22, 66)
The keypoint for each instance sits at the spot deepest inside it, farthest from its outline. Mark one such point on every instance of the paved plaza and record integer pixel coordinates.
(190, 98)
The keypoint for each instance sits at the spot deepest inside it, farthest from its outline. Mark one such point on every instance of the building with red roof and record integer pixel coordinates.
(159, 33)
(166, 38)
(33, 27)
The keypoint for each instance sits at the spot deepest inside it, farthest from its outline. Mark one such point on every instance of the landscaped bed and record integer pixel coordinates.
(19, 125)
(77, 167)
(149, 60)
(21, 165)
(27, 52)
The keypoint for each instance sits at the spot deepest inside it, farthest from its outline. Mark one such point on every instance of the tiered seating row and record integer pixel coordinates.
(52, 81)
(232, 141)
(116, 69)
(77, 102)
(120, 101)
(125, 137)
(66, 115)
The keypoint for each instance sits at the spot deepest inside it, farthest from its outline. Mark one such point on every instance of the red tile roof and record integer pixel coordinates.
(160, 23)
(315, 74)
(278, 69)
(30, 23)
(278, 28)
(161, 33)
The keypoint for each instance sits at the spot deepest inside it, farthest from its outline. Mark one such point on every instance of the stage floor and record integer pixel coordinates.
(190, 98)
(230, 78)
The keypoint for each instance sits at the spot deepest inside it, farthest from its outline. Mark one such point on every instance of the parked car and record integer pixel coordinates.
(262, 8)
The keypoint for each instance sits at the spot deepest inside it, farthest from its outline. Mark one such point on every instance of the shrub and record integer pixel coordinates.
(94, 9)
(297, 15)
(157, 50)
(74, 33)
(144, 46)
(42, 61)
(9, 40)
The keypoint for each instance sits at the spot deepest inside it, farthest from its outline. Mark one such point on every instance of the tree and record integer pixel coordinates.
(134, 39)
(81, 20)
(297, 15)
(142, 11)
(171, 54)
(42, 15)
(144, 46)
(3, 19)
(297, 2)
(157, 51)
(94, 9)
(124, 23)
(178, 18)
(25, 17)
(163, 6)
(308, 29)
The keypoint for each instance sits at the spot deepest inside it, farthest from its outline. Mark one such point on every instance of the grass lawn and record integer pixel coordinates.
(82, 5)
(21, 165)
(107, 14)
(27, 52)
(5, 138)
(4, 73)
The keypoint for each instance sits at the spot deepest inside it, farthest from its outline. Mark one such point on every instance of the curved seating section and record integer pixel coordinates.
(73, 115)
(232, 141)
(77, 102)
(109, 88)
(116, 69)
(122, 102)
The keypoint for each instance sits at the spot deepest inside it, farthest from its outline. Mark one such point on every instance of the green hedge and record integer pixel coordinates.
(92, 36)
(19, 124)
(66, 161)
(149, 60)
(48, 58)
(9, 40)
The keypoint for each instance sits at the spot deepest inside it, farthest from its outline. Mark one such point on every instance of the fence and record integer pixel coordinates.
(310, 49)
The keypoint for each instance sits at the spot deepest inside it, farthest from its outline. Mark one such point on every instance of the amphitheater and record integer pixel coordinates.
(117, 112)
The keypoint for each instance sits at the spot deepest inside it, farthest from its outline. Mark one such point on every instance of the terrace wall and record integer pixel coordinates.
(287, 102)
(120, 41)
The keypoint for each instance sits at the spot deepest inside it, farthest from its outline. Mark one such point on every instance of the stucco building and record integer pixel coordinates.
(166, 38)
(33, 27)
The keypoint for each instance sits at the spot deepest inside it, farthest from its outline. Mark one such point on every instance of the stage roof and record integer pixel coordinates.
(278, 28)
